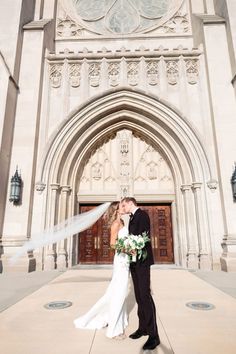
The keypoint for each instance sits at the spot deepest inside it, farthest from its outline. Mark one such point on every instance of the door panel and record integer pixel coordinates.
(94, 243)
(161, 232)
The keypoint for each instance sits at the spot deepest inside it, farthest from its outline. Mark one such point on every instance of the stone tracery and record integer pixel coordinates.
(118, 16)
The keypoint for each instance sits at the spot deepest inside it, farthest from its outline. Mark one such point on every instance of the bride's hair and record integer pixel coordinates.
(111, 213)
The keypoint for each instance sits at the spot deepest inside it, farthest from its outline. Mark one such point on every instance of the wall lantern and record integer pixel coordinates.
(233, 183)
(16, 188)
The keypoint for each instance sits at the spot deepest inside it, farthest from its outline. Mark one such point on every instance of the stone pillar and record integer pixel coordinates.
(204, 259)
(223, 110)
(192, 260)
(49, 263)
(62, 261)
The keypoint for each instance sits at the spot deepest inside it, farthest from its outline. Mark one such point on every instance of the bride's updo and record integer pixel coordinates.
(111, 213)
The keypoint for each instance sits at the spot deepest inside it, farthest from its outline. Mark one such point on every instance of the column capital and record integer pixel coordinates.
(196, 185)
(55, 186)
(65, 189)
(185, 187)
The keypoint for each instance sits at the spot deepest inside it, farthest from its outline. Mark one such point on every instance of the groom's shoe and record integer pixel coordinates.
(151, 343)
(137, 334)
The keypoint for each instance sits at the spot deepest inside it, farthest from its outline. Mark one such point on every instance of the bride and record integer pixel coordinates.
(110, 310)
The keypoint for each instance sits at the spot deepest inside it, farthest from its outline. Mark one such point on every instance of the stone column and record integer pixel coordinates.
(223, 113)
(192, 260)
(62, 251)
(204, 259)
(49, 263)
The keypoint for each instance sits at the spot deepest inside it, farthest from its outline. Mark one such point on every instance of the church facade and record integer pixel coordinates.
(110, 98)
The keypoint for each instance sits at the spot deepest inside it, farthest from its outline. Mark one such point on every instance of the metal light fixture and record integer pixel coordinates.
(16, 188)
(233, 183)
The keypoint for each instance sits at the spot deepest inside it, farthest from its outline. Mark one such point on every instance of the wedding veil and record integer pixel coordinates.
(69, 227)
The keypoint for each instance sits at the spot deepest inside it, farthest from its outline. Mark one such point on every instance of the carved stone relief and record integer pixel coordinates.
(133, 73)
(114, 73)
(178, 24)
(68, 28)
(94, 74)
(152, 72)
(126, 165)
(192, 71)
(55, 73)
(74, 74)
(172, 72)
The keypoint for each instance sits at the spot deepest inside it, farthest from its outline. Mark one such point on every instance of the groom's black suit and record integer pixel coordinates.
(140, 272)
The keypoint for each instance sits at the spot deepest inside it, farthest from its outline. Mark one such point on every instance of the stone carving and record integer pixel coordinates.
(113, 73)
(152, 170)
(74, 74)
(132, 73)
(68, 28)
(212, 185)
(124, 166)
(152, 72)
(172, 72)
(192, 71)
(56, 75)
(94, 74)
(40, 186)
(124, 191)
(97, 171)
(178, 24)
(120, 17)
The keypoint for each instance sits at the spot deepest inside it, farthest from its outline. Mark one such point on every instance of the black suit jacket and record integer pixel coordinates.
(138, 224)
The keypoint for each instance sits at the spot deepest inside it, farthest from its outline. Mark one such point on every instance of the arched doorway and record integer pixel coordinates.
(155, 124)
(126, 165)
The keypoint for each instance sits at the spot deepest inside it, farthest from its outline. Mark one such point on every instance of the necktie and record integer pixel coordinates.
(131, 216)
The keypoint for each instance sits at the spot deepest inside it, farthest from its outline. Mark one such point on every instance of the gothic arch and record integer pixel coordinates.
(158, 123)
(99, 117)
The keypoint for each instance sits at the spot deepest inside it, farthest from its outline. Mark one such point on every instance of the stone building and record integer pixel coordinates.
(101, 99)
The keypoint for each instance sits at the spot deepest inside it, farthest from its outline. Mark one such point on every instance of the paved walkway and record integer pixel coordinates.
(27, 327)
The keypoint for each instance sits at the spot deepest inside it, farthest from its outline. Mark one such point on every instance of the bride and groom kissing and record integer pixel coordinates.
(110, 310)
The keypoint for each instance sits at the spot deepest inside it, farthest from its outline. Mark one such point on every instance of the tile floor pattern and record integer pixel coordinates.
(26, 327)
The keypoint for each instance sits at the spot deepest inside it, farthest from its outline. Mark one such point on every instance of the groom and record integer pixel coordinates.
(140, 271)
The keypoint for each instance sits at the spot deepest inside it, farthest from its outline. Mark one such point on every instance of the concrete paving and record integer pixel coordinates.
(27, 327)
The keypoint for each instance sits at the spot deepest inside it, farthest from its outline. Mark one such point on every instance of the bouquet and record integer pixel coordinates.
(133, 245)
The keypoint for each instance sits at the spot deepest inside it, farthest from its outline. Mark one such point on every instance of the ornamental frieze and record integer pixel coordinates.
(124, 67)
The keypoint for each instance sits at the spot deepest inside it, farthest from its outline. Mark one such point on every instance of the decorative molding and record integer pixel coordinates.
(172, 72)
(152, 72)
(179, 24)
(123, 52)
(212, 185)
(192, 71)
(114, 73)
(55, 72)
(37, 25)
(74, 74)
(94, 74)
(132, 73)
(68, 28)
(40, 186)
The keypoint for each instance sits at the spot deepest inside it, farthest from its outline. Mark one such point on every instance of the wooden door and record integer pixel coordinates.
(94, 243)
(161, 232)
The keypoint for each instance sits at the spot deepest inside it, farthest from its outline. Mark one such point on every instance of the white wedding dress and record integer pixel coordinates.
(110, 309)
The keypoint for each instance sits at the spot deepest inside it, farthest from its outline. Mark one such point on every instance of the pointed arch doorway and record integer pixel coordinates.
(125, 165)
(86, 163)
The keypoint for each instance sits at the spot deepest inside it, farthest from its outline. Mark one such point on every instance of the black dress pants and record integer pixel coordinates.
(146, 308)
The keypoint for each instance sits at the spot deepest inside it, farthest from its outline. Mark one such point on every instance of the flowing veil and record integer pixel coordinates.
(69, 227)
